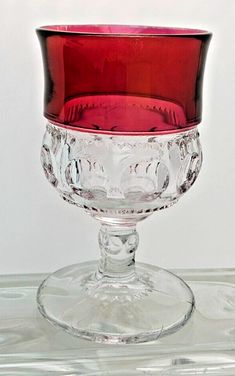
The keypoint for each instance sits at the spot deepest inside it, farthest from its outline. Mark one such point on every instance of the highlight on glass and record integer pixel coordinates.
(122, 105)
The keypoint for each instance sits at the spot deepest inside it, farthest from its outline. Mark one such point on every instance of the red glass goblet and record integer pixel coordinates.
(123, 104)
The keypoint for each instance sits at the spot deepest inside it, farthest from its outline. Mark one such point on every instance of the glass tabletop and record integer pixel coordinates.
(205, 346)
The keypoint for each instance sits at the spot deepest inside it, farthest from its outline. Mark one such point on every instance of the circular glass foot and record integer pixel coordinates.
(152, 304)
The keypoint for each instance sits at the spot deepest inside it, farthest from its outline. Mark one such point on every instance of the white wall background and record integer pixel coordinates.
(39, 232)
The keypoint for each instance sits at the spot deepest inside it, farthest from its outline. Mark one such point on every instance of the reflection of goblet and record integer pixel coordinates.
(123, 104)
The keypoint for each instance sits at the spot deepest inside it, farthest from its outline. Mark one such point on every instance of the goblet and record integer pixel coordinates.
(123, 104)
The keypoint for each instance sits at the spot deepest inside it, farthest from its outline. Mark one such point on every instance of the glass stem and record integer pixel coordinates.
(118, 246)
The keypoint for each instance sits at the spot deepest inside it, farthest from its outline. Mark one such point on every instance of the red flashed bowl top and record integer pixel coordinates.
(123, 79)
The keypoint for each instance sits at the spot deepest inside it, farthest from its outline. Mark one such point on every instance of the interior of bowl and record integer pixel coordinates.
(122, 30)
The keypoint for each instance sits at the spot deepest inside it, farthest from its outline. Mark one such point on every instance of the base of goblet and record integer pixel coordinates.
(153, 304)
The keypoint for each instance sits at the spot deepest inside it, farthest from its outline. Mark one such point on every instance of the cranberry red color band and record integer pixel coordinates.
(125, 79)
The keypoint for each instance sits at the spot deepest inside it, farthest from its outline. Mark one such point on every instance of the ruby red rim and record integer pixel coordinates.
(123, 30)
(84, 61)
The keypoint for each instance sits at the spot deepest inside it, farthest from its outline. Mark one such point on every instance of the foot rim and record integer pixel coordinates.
(51, 299)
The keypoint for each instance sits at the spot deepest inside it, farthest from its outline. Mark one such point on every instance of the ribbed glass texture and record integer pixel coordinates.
(123, 79)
